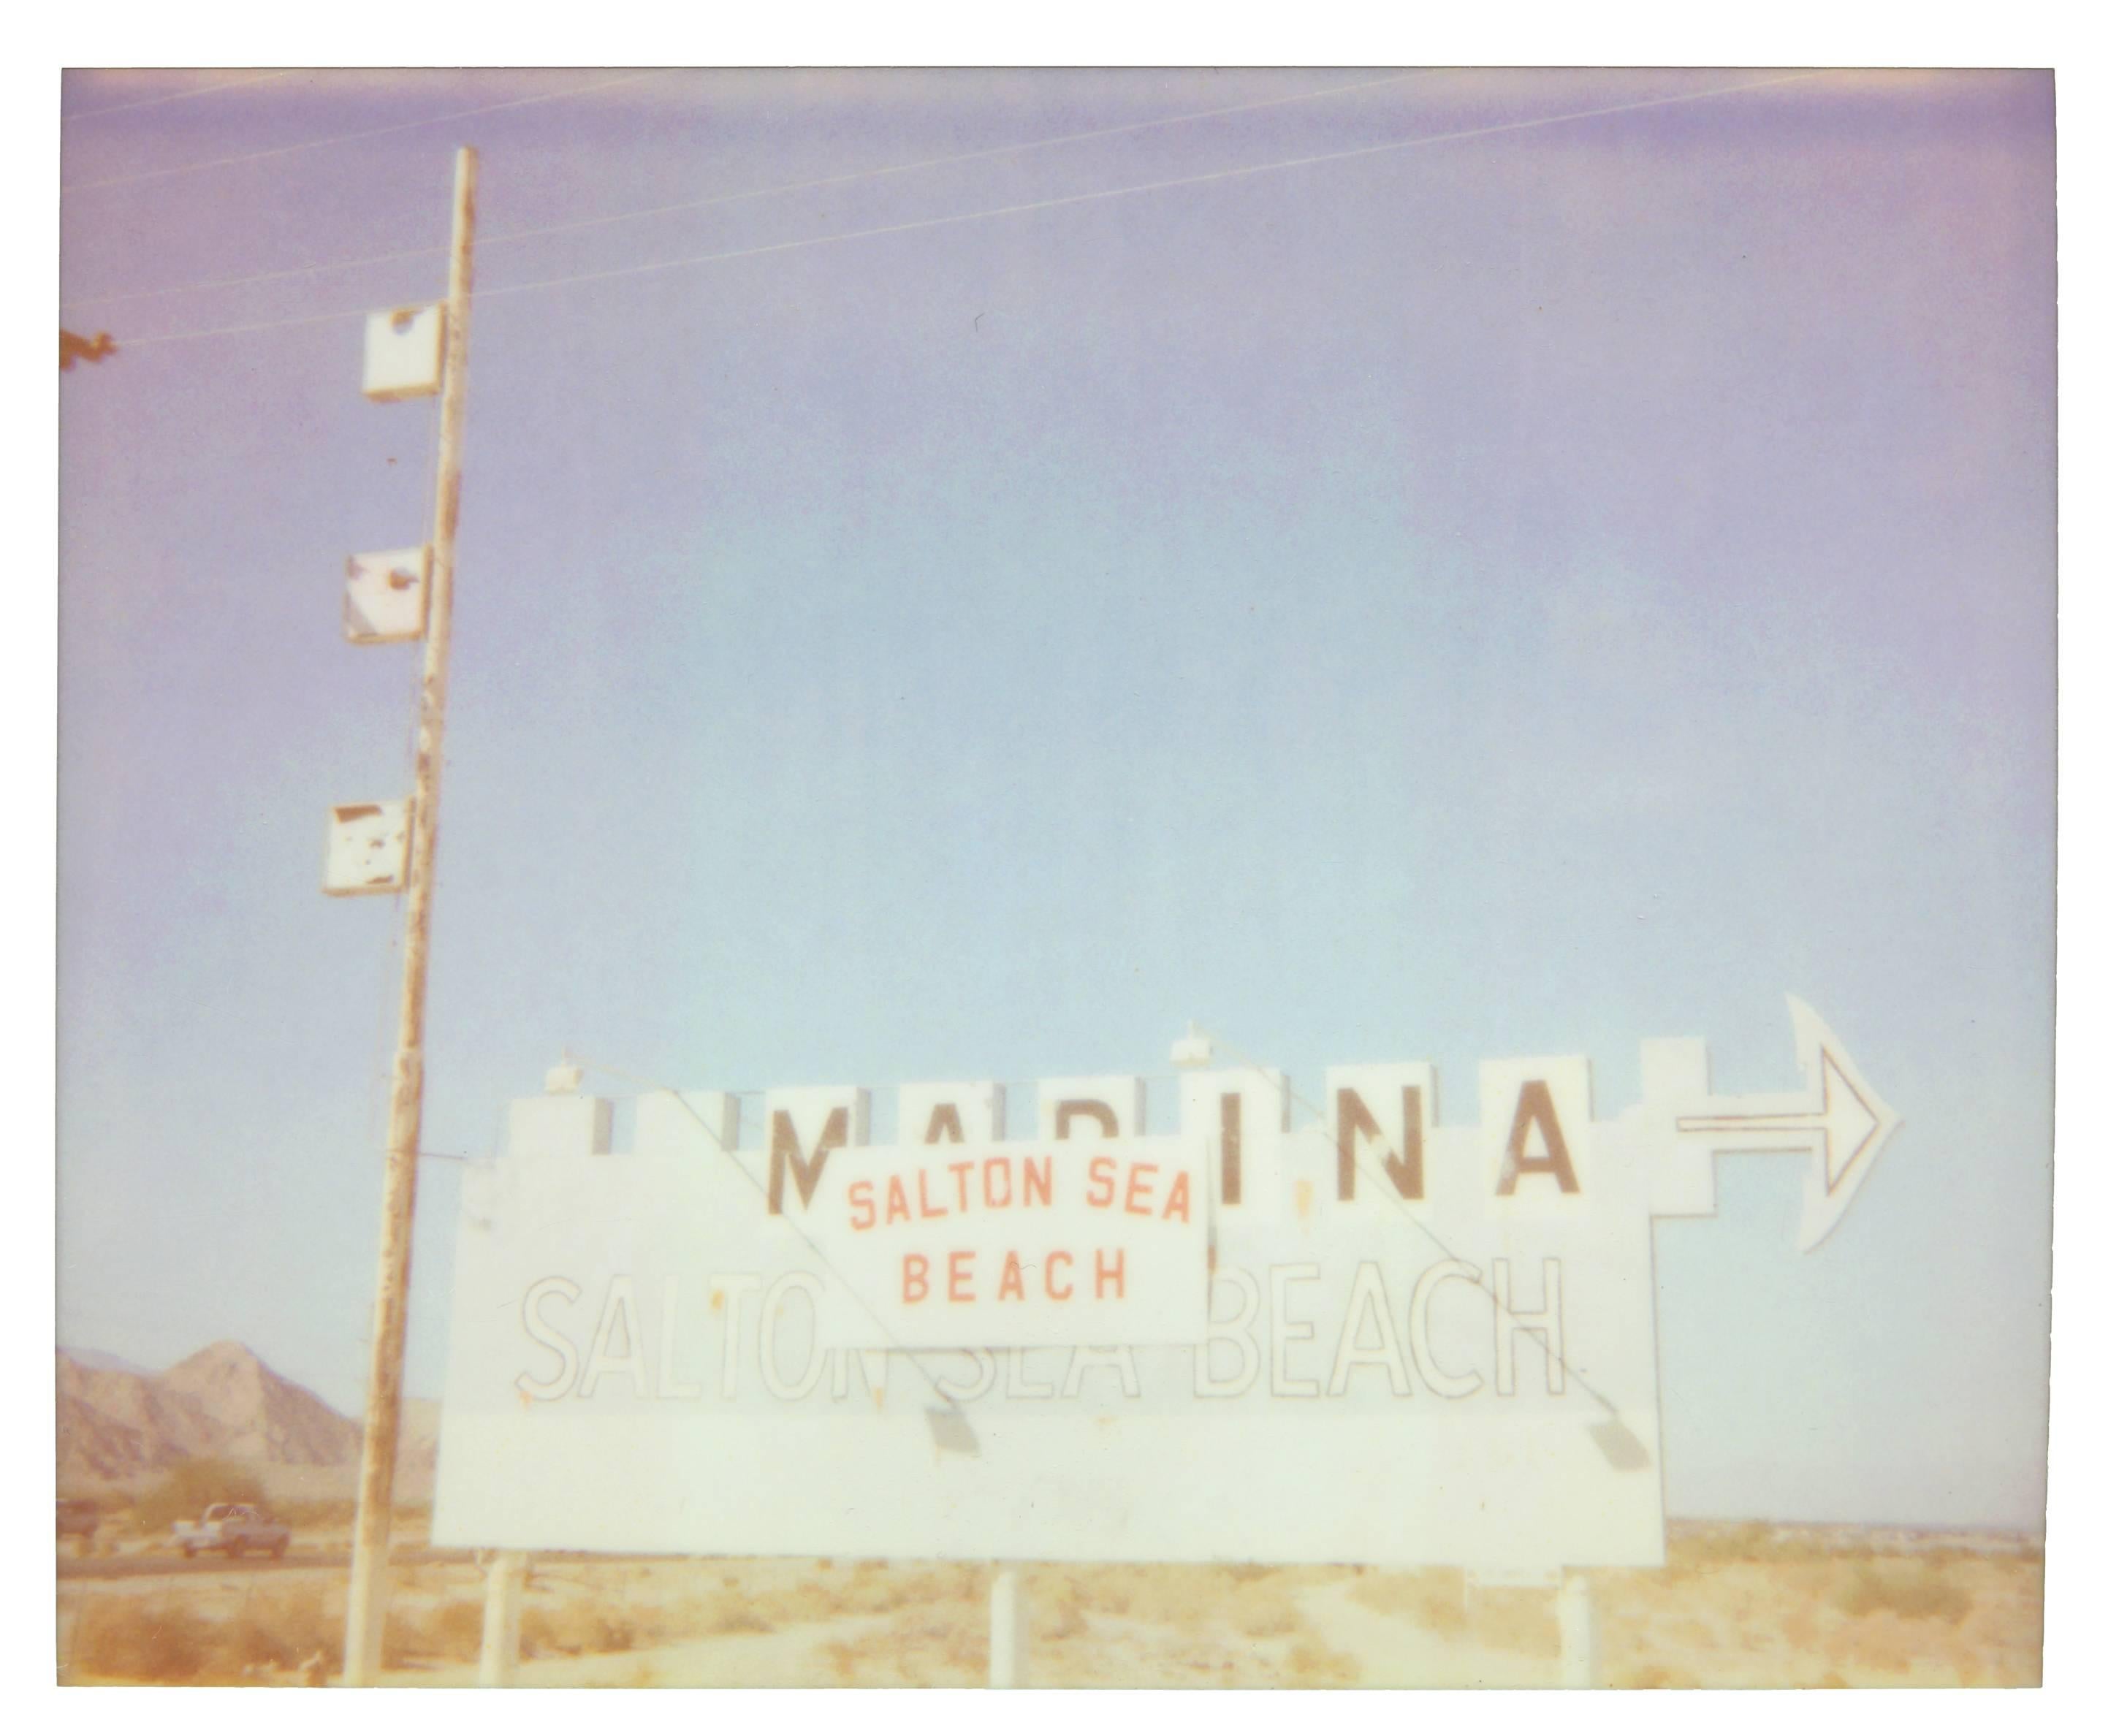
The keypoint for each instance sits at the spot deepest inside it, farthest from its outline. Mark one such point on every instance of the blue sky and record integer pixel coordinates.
(1521, 594)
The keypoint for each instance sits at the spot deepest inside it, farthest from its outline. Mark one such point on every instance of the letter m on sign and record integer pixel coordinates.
(787, 1154)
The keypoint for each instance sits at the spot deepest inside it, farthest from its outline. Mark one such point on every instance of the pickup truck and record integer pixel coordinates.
(234, 1530)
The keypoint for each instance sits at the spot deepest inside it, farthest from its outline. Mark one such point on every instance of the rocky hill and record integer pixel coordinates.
(256, 1414)
(118, 1425)
(105, 1360)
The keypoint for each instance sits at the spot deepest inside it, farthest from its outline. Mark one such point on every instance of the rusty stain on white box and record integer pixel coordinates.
(385, 596)
(404, 354)
(367, 847)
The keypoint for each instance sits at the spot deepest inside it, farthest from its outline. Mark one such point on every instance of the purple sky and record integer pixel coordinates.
(1517, 594)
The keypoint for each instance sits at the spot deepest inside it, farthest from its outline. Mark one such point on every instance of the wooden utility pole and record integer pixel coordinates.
(368, 1593)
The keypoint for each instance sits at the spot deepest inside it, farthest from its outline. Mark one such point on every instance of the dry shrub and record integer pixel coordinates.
(571, 1631)
(319, 1514)
(1062, 1621)
(867, 1592)
(918, 1647)
(1657, 1675)
(1191, 1597)
(1694, 1548)
(141, 1640)
(965, 1646)
(959, 1641)
(1841, 1615)
(280, 1630)
(908, 1652)
(1512, 1620)
(726, 1613)
(1753, 1540)
(1311, 1666)
(579, 1628)
(453, 1628)
(163, 1640)
(1883, 1649)
(1170, 1626)
(1432, 1599)
(192, 1485)
(1274, 1622)
(1916, 1590)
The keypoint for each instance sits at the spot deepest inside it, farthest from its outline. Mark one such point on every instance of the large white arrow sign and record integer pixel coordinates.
(1382, 1336)
(1838, 1119)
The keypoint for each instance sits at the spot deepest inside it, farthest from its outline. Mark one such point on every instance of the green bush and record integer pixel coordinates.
(193, 1485)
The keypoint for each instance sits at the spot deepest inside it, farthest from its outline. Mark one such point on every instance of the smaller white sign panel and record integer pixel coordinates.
(1096, 1241)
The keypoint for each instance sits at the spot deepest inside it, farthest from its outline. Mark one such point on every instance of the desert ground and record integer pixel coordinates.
(1737, 1605)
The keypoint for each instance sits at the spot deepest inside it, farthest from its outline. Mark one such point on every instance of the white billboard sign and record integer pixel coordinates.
(1415, 1342)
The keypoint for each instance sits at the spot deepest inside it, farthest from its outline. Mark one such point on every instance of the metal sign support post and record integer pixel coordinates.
(367, 1594)
(1008, 1641)
(501, 1644)
(1581, 1664)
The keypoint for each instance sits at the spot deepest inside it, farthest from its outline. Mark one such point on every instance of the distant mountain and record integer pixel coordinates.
(112, 1425)
(117, 1424)
(259, 1415)
(102, 1360)
(95, 1446)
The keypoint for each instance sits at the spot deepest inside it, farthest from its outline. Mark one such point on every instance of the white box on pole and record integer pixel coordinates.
(367, 847)
(403, 355)
(385, 595)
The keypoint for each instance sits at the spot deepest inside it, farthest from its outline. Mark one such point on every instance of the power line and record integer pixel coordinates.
(1147, 187)
(970, 157)
(175, 96)
(345, 138)
(760, 192)
(270, 325)
(1010, 211)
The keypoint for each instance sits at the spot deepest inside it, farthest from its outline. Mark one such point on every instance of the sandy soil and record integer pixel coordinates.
(1745, 1606)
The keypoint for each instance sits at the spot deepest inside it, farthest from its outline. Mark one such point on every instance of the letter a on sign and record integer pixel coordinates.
(952, 1115)
(1534, 1121)
(1534, 1111)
